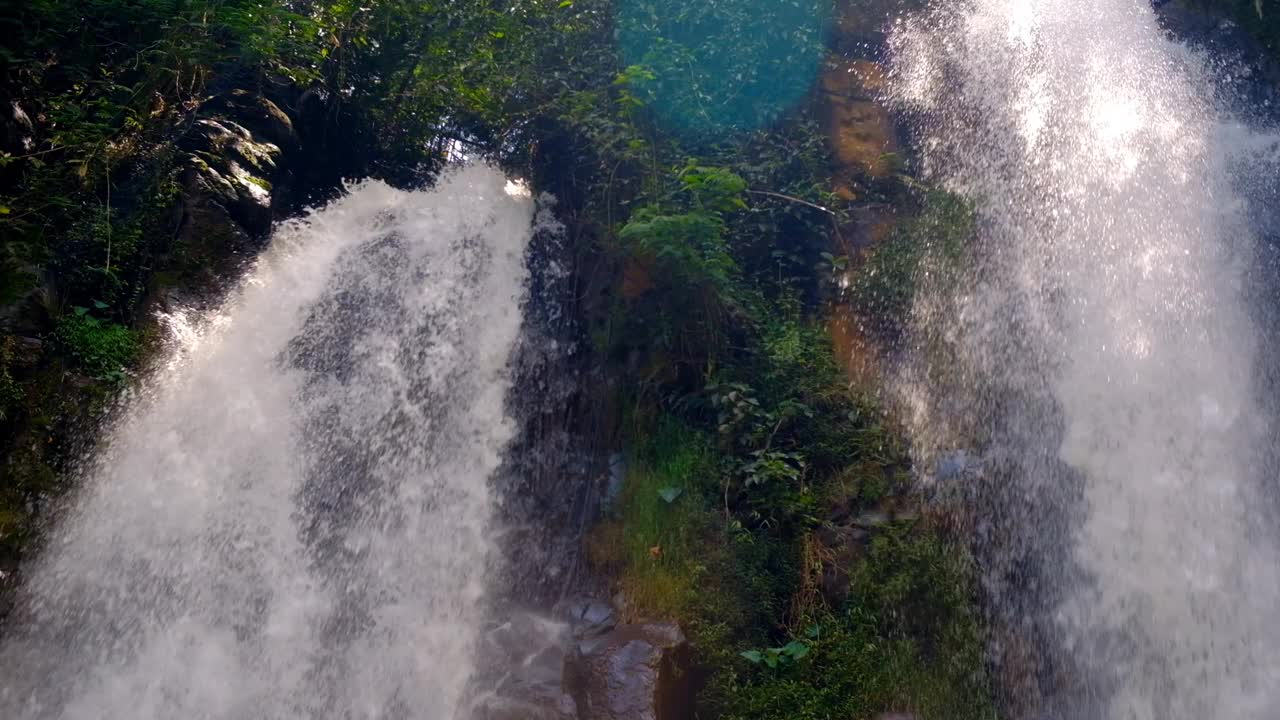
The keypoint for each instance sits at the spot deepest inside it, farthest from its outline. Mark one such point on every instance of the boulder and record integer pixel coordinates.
(633, 672)
(230, 166)
(261, 117)
(588, 618)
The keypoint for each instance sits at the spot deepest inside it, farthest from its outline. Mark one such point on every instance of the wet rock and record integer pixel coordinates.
(861, 25)
(956, 465)
(531, 652)
(26, 351)
(633, 672)
(587, 617)
(873, 519)
(617, 476)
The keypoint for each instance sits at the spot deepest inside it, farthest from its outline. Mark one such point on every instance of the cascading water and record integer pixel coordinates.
(291, 521)
(1103, 352)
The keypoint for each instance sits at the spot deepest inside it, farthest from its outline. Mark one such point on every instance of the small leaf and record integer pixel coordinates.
(4, 210)
(813, 631)
(669, 494)
(80, 311)
(100, 305)
(753, 656)
(566, 3)
(796, 649)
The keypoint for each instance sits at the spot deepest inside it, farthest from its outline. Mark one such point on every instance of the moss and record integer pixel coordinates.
(258, 181)
(663, 520)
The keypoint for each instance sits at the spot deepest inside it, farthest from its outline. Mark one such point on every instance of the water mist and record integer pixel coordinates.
(1102, 353)
(291, 521)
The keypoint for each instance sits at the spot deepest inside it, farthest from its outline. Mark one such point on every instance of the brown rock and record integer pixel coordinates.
(855, 79)
(861, 134)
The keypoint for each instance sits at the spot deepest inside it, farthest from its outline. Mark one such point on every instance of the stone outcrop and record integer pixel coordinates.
(865, 146)
(633, 672)
(17, 131)
(582, 664)
(859, 127)
(233, 159)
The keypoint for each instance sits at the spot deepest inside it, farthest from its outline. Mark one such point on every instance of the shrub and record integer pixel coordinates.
(100, 348)
(907, 640)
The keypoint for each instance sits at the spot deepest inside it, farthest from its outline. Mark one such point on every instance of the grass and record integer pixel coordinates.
(656, 541)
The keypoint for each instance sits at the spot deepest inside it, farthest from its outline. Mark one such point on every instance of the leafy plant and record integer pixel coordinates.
(792, 652)
(101, 348)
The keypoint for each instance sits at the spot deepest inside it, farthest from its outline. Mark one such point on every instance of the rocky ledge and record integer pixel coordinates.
(582, 664)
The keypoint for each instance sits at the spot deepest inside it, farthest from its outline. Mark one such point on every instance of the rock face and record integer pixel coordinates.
(864, 143)
(633, 672)
(16, 129)
(234, 156)
(582, 665)
(861, 131)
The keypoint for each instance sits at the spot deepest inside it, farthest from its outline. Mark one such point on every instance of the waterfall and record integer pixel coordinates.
(291, 518)
(1103, 352)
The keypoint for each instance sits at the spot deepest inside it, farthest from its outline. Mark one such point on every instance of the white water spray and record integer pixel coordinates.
(291, 521)
(1104, 352)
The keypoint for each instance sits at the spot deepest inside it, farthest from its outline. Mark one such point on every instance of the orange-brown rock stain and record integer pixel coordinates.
(864, 145)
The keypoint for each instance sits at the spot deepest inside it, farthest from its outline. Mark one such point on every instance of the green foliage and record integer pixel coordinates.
(682, 239)
(681, 559)
(907, 640)
(776, 657)
(101, 348)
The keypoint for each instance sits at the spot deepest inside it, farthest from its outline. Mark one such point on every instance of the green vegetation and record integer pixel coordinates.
(720, 526)
(10, 392)
(102, 349)
(906, 640)
(689, 155)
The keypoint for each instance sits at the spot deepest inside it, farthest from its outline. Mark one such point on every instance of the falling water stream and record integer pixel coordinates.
(291, 519)
(1103, 354)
